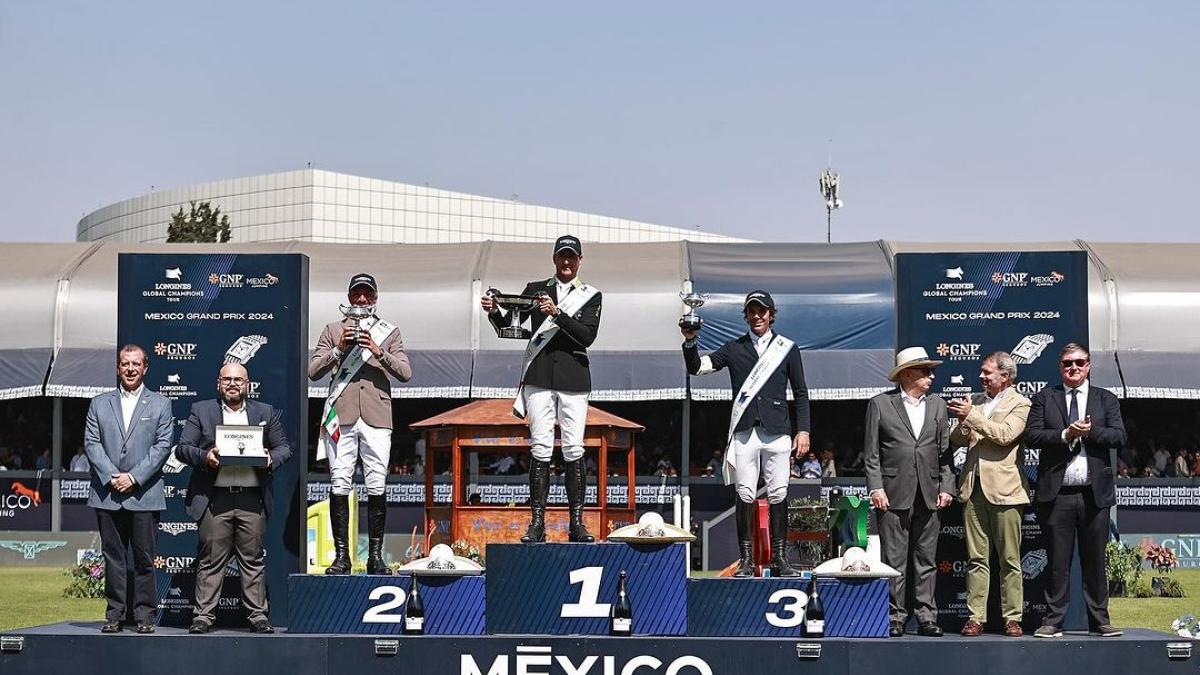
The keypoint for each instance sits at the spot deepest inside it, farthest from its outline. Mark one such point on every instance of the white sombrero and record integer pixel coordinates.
(854, 564)
(441, 562)
(650, 529)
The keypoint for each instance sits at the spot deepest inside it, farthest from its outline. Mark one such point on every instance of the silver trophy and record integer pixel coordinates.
(691, 321)
(357, 313)
(514, 305)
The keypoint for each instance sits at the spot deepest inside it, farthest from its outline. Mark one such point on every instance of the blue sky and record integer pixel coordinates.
(974, 121)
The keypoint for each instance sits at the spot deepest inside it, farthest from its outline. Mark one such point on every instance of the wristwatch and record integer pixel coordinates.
(244, 348)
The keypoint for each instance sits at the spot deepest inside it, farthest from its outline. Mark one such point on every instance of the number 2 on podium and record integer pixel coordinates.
(588, 606)
(379, 613)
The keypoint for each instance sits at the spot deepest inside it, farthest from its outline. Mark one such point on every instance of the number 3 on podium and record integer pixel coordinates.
(794, 601)
(588, 606)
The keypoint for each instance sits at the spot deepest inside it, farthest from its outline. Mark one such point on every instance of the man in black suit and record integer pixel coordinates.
(556, 381)
(1077, 427)
(764, 429)
(230, 503)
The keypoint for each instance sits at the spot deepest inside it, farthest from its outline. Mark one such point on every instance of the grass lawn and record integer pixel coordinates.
(32, 596)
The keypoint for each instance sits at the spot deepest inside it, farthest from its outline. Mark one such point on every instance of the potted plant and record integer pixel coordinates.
(809, 517)
(1122, 567)
(1163, 560)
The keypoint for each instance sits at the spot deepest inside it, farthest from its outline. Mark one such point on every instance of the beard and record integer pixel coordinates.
(233, 400)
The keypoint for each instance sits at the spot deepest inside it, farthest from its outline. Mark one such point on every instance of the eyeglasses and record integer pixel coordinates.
(1078, 363)
(924, 371)
(232, 380)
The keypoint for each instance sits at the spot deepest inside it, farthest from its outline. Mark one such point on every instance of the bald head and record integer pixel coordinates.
(232, 384)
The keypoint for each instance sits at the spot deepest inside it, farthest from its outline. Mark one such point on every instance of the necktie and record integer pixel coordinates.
(1073, 416)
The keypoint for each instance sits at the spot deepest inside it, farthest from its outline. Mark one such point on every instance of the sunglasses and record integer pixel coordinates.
(1078, 363)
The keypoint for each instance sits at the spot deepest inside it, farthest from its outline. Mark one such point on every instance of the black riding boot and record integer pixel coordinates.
(779, 563)
(576, 491)
(376, 521)
(539, 487)
(744, 517)
(339, 521)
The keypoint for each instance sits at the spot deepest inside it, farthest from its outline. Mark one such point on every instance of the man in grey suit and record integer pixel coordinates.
(907, 461)
(127, 440)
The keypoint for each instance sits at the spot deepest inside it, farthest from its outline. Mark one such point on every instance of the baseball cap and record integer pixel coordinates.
(363, 279)
(761, 297)
(569, 243)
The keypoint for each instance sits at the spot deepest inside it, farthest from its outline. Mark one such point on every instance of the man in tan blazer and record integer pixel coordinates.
(357, 422)
(992, 489)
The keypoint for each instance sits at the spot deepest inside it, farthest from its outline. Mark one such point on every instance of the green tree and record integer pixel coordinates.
(203, 224)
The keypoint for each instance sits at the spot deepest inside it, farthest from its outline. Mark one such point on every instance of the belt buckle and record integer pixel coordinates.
(235, 488)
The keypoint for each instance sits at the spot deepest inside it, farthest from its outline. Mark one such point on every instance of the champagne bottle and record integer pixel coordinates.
(835, 533)
(414, 611)
(814, 614)
(622, 611)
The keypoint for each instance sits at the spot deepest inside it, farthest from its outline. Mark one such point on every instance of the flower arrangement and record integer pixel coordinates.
(1161, 558)
(86, 576)
(1187, 626)
(462, 548)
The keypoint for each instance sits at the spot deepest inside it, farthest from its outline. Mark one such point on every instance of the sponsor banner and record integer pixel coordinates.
(193, 313)
(502, 493)
(24, 504)
(1158, 495)
(1185, 546)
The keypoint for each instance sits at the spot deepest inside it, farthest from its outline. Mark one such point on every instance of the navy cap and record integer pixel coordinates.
(761, 297)
(363, 280)
(568, 243)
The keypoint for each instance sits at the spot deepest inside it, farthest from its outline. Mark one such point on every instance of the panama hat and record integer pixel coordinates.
(911, 357)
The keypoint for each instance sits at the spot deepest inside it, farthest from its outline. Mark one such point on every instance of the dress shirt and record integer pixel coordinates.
(1076, 473)
(915, 407)
(229, 476)
(129, 401)
(561, 289)
(990, 403)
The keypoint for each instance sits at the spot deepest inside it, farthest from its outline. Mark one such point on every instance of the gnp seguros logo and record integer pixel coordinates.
(176, 351)
(959, 351)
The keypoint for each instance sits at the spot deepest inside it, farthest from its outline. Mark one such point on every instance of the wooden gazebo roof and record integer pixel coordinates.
(498, 412)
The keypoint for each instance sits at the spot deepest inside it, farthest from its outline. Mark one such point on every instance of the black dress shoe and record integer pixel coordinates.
(930, 629)
(111, 627)
(896, 629)
(262, 627)
(199, 628)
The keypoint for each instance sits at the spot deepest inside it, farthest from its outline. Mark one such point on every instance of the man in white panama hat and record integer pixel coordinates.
(907, 461)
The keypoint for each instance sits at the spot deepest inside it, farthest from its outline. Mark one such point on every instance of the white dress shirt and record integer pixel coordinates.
(915, 407)
(1077, 469)
(129, 401)
(989, 403)
(230, 476)
(760, 346)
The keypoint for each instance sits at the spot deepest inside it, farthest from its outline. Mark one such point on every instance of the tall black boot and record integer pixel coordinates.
(376, 522)
(539, 488)
(576, 492)
(779, 563)
(744, 517)
(339, 521)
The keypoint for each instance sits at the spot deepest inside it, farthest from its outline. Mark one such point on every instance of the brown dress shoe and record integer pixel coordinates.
(1013, 629)
(972, 628)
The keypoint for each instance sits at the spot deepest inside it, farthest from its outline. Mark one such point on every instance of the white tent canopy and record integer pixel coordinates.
(61, 300)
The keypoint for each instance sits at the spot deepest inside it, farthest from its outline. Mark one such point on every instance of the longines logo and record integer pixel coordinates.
(959, 351)
(954, 531)
(954, 289)
(174, 288)
(176, 351)
(531, 659)
(176, 529)
(175, 388)
(30, 549)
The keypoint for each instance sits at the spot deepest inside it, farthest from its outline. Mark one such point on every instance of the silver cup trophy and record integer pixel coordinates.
(514, 305)
(690, 320)
(356, 314)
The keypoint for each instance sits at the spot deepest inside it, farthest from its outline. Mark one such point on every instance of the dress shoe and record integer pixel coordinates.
(896, 629)
(972, 628)
(262, 627)
(111, 627)
(1048, 631)
(199, 628)
(1013, 629)
(929, 629)
(1107, 630)
(145, 627)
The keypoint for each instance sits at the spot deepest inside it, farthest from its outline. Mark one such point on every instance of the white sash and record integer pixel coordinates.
(763, 369)
(330, 425)
(574, 302)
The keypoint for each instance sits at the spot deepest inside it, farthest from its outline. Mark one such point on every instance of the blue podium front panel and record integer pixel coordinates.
(374, 605)
(567, 589)
(728, 607)
(855, 607)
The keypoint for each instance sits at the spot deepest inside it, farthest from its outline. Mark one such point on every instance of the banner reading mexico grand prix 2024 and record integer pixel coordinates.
(193, 313)
(961, 307)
